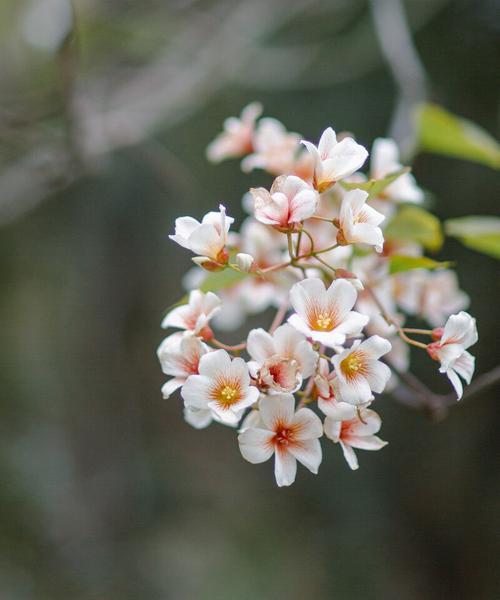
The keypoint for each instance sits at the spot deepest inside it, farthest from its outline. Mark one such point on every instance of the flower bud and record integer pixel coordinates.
(437, 333)
(244, 262)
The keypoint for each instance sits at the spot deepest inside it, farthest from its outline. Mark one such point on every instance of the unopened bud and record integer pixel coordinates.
(244, 262)
(437, 333)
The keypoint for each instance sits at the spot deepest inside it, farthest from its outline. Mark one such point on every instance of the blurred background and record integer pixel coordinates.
(106, 108)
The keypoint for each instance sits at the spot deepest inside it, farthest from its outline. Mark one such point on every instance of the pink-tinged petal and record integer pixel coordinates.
(368, 442)
(196, 391)
(308, 425)
(306, 357)
(375, 346)
(256, 445)
(377, 374)
(350, 456)
(214, 363)
(455, 382)
(206, 241)
(306, 292)
(327, 143)
(184, 227)
(260, 345)
(338, 411)
(251, 112)
(448, 354)
(370, 424)
(293, 185)
(371, 216)
(199, 419)
(342, 296)
(285, 468)
(303, 206)
(278, 408)
(332, 429)
(356, 391)
(348, 156)
(176, 317)
(464, 366)
(308, 453)
(286, 339)
(171, 386)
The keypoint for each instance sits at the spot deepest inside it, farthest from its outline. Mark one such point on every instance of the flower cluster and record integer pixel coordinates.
(314, 248)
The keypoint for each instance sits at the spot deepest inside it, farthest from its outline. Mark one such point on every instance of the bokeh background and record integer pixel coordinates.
(106, 494)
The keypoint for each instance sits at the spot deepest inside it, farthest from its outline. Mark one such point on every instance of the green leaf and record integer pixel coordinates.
(412, 223)
(217, 280)
(375, 187)
(442, 132)
(479, 233)
(400, 263)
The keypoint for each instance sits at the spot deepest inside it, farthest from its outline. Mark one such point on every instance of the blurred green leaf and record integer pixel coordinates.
(399, 263)
(441, 132)
(415, 224)
(476, 232)
(375, 187)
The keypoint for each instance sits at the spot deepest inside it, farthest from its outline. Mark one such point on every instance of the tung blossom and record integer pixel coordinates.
(325, 385)
(291, 436)
(451, 350)
(237, 138)
(325, 315)
(282, 360)
(289, 202)
(359, 372)
(195, 315)
(358, 222)
(384, 161)
(179, 356)
(223, 386)
(334, 160)
(206, 239)
(358, 432)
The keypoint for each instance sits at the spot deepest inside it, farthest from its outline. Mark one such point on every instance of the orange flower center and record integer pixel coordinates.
(353, 365)
(227, 393)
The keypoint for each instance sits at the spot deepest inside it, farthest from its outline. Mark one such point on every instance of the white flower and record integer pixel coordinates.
(384, 161)
(325, 384)
(237, 137)
(359, 222)
(179, 356)
(244, 262)
(287, 434)
(199, 418)
(290, 201)
(451, 350)
(334, 160)
(355, 433)
(325, 315)
(275, 148)
(206, 239)
(282, 360)
(195, 315)
(359, 372)
(223, 386)
(434, 295)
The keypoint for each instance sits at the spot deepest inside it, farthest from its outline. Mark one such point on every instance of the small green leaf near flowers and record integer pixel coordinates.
(375, 187)
(399, 263)
(481, 233)
(415, 224)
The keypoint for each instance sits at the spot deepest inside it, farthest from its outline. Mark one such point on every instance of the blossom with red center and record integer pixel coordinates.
(179, 356)
(291, 436)
(459, 333)
(334, 160)
(358, 432)
(237, 138)
(281, 361)
(325, 315)
(358, 222)
(222, 385)
(359, 372)
(195, 315)
(206, 239)
(290, 201)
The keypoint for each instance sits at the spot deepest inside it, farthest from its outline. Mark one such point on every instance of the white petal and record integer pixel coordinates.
(464, 366)
(256, 444)
(213, 363)
(327, 142)
(348, 157)
(332, 429)
(206, 241)
(171, 386)
(356, 391)
(366, 442)
(305, 292)
(384, 157)
(260, 345)
(184, 227)
(352, 324)
(375, 346)
(377, 375)
(338, 411)
(455, 382)
(298, 323)
(308, 453)
(342, 296)
(370, 424)
(277, 408)
(309, 424)
(199, 419)
(303, 206)
(285, 468)
(195, 392)
(350, 456)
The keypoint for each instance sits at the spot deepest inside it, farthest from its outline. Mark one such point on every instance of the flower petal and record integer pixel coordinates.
(278, 408)
(256, 445)
(260, 345)
(308, 424)
(285, 468)
(350, 456)
(195, 392)
(308, 453)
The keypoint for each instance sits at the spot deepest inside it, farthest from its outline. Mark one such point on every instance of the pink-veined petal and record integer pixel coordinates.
(308, 453)
(285, 468)
(279, 408)
(256, 445)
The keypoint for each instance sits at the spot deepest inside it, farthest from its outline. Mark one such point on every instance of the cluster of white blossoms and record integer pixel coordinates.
(313, 248)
